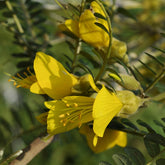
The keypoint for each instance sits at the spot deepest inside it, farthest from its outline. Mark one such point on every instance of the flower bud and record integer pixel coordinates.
(119, 50)
(127, 81)
(130, 102)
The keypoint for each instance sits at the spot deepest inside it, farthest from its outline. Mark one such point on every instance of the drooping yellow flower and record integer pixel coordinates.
(50, 78)
(86, 28)
(109, 140)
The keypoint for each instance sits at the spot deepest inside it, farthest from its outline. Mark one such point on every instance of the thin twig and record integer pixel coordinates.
(31, 151)
(78, 43)
(159, 77)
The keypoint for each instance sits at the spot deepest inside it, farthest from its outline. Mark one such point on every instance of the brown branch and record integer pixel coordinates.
(31, 151)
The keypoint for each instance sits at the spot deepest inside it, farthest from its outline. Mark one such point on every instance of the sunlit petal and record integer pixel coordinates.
(105, 107)
(52, 77)
(72, 25)
(35, 88)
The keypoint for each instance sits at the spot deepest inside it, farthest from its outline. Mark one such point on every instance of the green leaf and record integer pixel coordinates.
(93, 60)
(7, 14)
(5, 124)
(133, 72)
(147, 67)
(135, 155)
(122, 63)
(69, 34)
(2, 4)
(104, 163)
(159, 124)
(121, 159)
(109, 85)
(126, 13)
(160, 161)
(157, 138)
(16, 117)
(163, 34)
(102, 27)
(142, 123)
(74, 9)
(85, 68)
(30, 114)
(21, 55)
(138, 73)
(163, 51)
(36, 13)
(115, 124)
(129, 123)
(68, 58)
(163, 119)
(99, 16)
(24, 64)
(34, 5)
(152, 148)
(154, 58)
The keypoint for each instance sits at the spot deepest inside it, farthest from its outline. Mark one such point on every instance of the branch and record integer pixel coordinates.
(31, 151)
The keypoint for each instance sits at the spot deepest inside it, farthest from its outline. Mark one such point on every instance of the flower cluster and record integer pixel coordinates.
(69, 108)
(68, 111)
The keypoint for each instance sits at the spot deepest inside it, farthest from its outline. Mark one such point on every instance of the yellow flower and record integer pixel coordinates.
(86, 29)
(50, 78)
(72, 111)
(109, 140)
(68, 113)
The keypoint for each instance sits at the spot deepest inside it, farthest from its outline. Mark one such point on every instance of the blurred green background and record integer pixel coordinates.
(18, 107)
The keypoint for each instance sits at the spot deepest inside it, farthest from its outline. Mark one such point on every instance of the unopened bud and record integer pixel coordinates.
(127, 81)
(130, 102)
(119, 50)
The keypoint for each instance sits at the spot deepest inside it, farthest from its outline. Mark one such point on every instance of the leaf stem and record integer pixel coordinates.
(159, 77)
(78, 43)
(154, 158)
(77, 51)
(107, 56)
(16, 20)
(27, 19)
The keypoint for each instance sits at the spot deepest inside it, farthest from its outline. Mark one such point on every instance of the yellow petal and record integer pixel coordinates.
(105, 107)
(92, 83)
(52, 77)
(72, 25)
(121, 139)
(109, 140)
(92, 33)
(54, 126)
(35, 88)
(96, 8)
